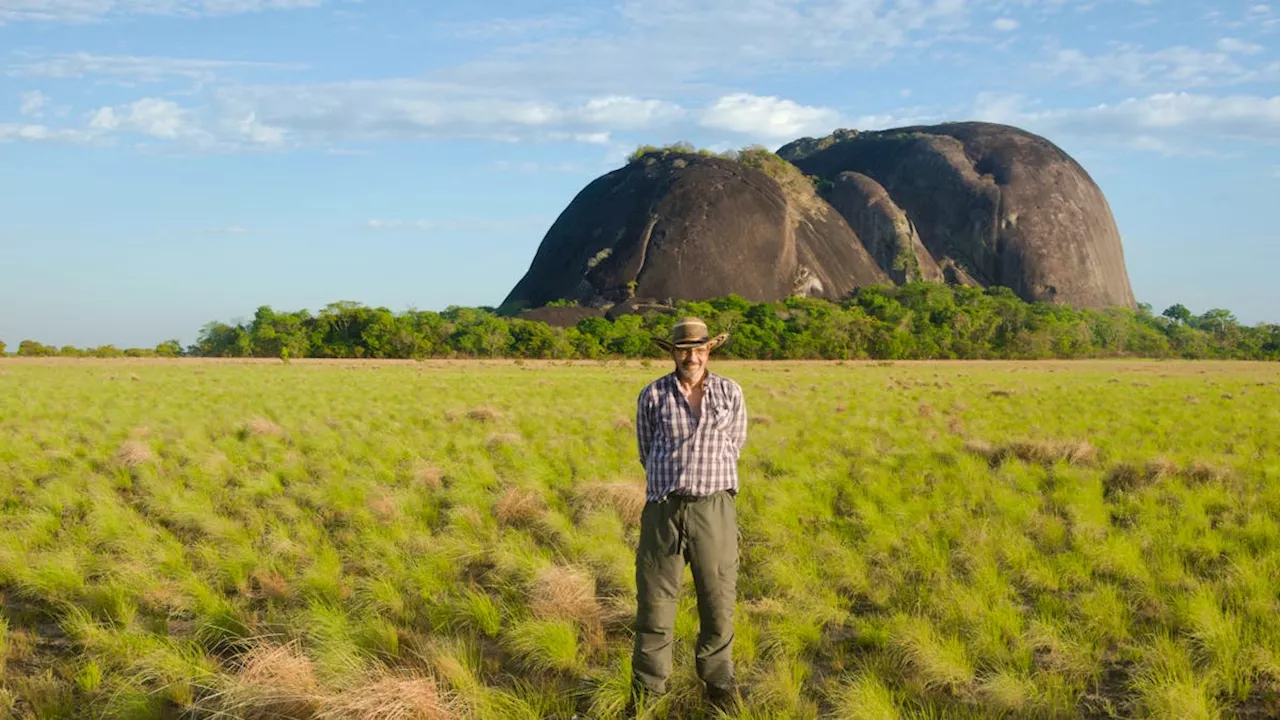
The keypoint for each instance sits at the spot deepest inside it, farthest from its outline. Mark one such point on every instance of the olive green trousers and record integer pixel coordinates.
(702, 531)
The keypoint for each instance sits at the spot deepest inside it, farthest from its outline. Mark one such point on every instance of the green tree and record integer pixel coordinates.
(31, 348)
(2, 347)
(1178, 313)
(915, 320)
(169, 349)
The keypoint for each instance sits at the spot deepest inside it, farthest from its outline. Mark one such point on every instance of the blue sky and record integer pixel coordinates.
(164, 163)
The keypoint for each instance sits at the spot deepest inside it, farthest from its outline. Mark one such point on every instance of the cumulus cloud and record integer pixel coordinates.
(81, 11)
(11, 132)
(32, 103)
(767, 117)
(1006, 24)
(1235, 46)
(162, 120)
(625, 113)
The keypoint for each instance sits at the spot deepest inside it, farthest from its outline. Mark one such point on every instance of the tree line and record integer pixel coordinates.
(912, 321)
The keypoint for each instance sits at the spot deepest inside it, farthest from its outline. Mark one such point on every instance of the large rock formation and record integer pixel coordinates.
(992, 203)
(691, 227)
(970, 203)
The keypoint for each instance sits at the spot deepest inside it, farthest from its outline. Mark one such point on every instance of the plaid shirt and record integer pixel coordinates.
(681, 453)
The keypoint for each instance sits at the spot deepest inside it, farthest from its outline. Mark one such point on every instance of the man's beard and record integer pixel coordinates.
(688, 372)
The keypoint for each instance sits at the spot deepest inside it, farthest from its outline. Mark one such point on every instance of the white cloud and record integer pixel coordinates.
(256, 132)
(626, 113)
(1236, 46)
(767, 117)
(164, 120)
(505, 28)
(1178, 67)
(10, 132)
(1006, 24)
(80, 11)
(32, 103)
(104, 119)
(1170, 123)
(155, 119)
(407, 108)
(651, 46)
(136, 69)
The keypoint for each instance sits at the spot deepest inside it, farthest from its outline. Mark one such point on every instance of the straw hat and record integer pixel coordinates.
(691, 332)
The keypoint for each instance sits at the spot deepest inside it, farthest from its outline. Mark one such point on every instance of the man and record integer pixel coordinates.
(690, 427)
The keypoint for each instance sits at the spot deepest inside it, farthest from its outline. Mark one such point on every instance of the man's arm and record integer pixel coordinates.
(644, 426)
(738, 421)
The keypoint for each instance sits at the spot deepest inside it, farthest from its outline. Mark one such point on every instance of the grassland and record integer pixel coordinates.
(454, 540)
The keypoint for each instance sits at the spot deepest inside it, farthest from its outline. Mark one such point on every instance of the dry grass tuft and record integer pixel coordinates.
(1049, 452)
(276, 681)
(623, 423)
(427, 475)
(140, 433)
(1203, 472)
(133, 453)
(494, 442)
(1161, 469)
(563, 592)
(134, 377)
(519, 507)
(263, 427)
(761, 420)
(1036, 452)
(625, 498)
(385, 508)
(925, 410)
(991, 453)
(956, 426)
(270, 584)
(1126, 477)
(407, 697)
(1003, 393)
(484, 414)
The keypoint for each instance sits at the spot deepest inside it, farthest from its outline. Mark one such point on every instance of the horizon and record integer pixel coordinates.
(169, 164)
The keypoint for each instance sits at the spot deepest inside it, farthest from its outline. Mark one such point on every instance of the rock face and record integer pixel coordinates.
(991, 202)
(970, 203)
(885, 230)
(687, 226)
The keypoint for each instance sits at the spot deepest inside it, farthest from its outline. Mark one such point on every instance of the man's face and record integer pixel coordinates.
(690, 362)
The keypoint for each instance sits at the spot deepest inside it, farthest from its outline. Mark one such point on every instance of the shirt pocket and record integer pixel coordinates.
(719, 414)
(672, 421)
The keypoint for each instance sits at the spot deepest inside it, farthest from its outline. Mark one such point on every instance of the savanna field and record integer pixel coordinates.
(455, 540)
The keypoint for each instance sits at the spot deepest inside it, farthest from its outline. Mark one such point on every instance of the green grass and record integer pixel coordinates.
(447, 540)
